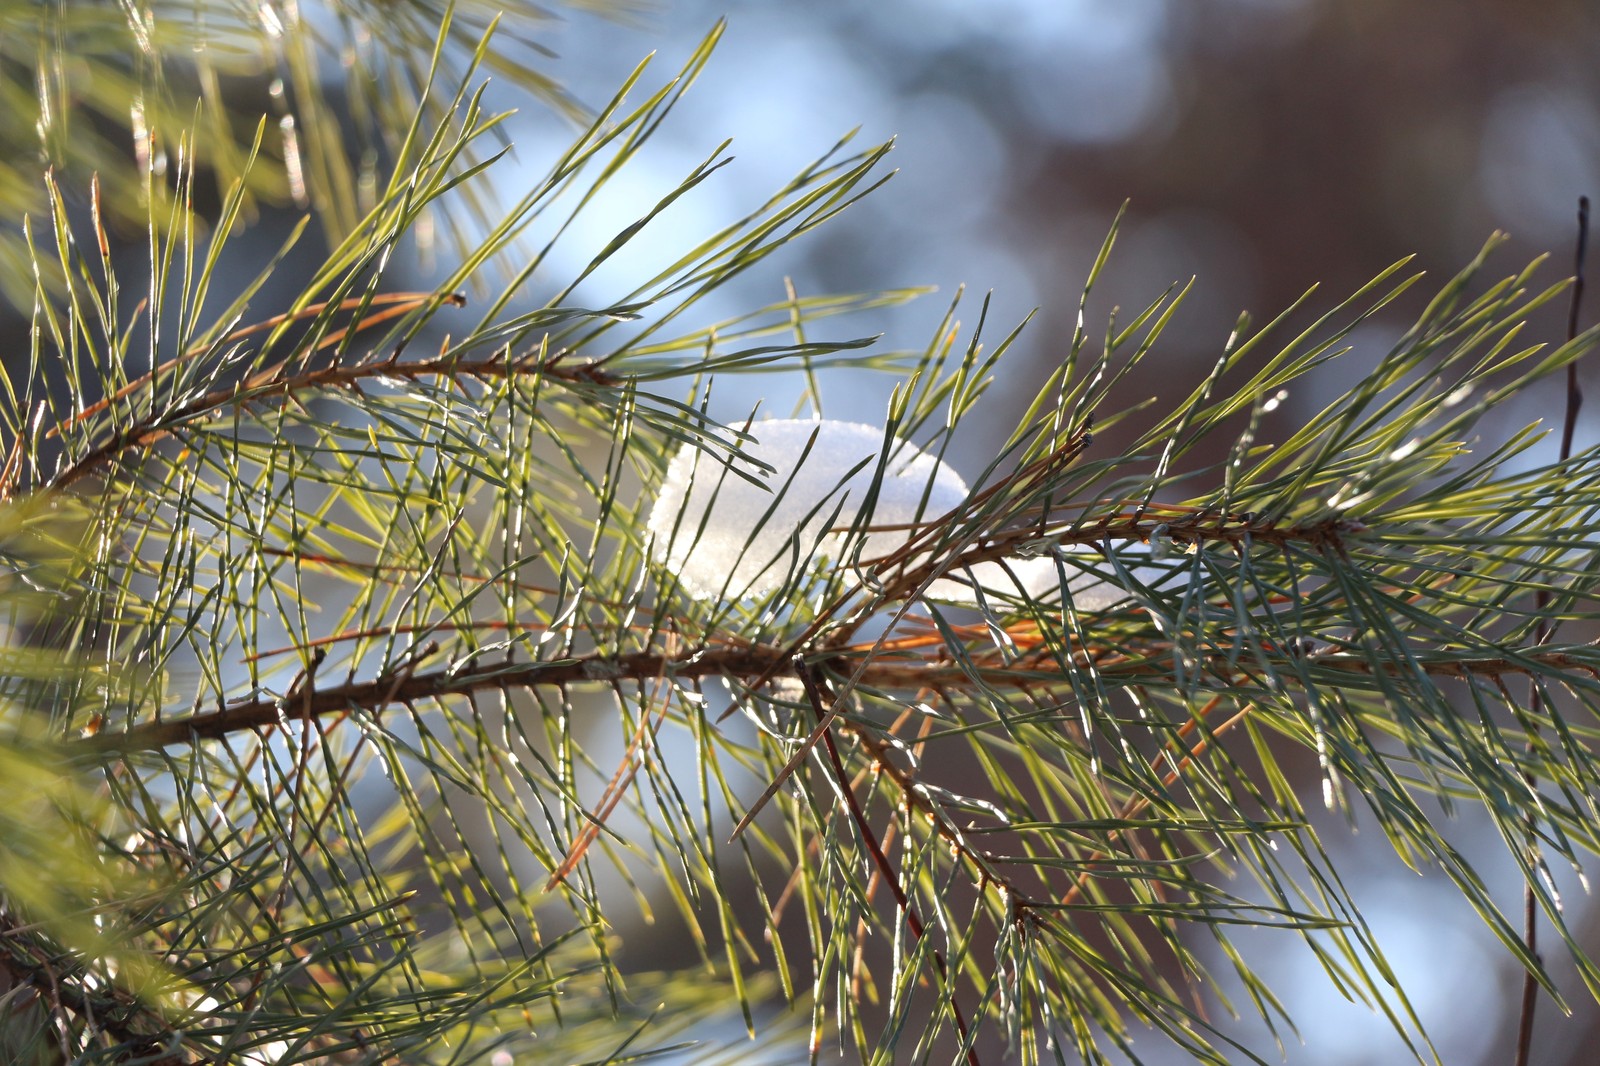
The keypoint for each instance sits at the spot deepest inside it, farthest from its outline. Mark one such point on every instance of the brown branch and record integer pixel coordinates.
(763, 661)
(1182, 526)
(276, 381)
(379, 693)
(917, 798)
(870, 841)
(112, 1012)
(617, 787)
(407, 301)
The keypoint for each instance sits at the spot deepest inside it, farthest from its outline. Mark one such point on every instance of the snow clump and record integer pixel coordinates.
(726, 538)
(752, 535)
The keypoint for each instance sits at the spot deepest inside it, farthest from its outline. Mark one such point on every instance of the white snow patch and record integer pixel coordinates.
(745, 546)
(727, 538)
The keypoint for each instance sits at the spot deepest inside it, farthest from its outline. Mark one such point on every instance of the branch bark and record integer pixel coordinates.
(758, 661)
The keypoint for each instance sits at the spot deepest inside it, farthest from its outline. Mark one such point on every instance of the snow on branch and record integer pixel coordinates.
(739, 534)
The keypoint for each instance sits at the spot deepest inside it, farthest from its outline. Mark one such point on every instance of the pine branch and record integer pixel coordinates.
(884, 868)
(762, 663)
(451, 567)
(285, 382)
(105, 1012)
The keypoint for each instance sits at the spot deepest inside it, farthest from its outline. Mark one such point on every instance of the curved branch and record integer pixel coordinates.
(276, 381)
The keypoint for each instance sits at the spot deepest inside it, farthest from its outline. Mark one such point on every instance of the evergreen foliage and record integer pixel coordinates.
(320, 617)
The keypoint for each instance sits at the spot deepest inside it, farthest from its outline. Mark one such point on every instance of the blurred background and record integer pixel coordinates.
(1265, 146)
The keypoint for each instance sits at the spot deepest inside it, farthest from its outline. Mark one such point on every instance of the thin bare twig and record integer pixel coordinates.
(1530, 908)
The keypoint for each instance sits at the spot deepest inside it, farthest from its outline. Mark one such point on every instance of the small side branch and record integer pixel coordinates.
(284, 380)
(869, 839)
(111, 1012)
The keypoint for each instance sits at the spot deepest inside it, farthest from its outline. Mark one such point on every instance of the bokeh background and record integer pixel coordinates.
(1265, 146)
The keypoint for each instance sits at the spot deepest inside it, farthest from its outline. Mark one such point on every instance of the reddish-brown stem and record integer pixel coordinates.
(869, 839)
(615, 789)
(279, 381)
(741, 661)
(406, 301)
(110, 1010)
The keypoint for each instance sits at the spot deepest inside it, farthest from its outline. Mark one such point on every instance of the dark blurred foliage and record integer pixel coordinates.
(1317, 142)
